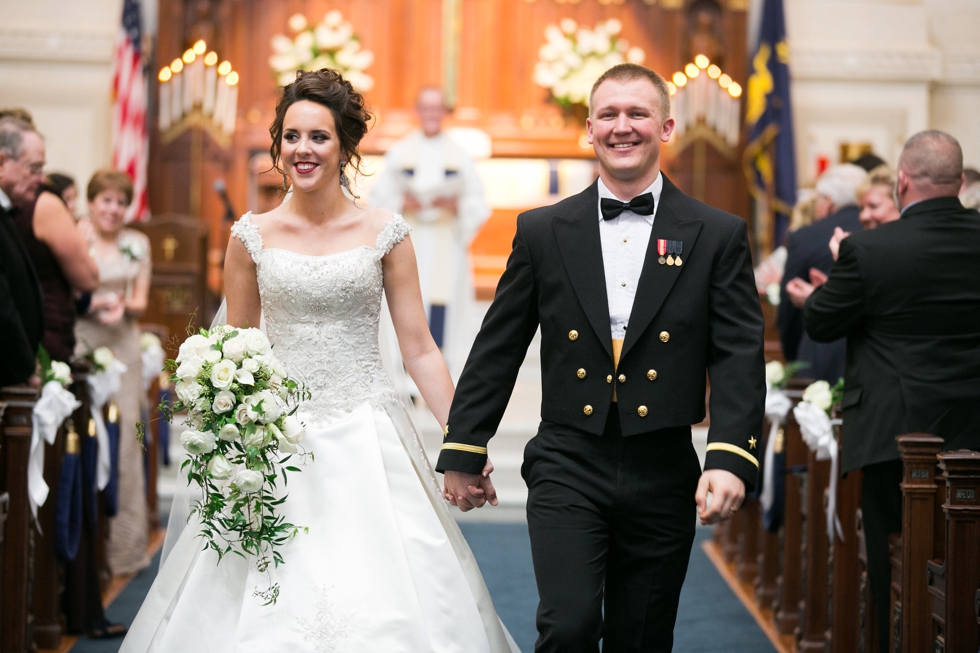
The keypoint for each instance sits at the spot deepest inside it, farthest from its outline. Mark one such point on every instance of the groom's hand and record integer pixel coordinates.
(468, 491)
(727, 492)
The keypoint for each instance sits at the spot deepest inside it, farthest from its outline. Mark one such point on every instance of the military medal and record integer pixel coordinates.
(670, 252)
(661, 250)
(678, 247)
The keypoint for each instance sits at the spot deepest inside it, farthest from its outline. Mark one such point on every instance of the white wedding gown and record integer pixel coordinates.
(383, 567)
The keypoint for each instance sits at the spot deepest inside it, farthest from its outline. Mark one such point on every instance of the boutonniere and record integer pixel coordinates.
(131, 249)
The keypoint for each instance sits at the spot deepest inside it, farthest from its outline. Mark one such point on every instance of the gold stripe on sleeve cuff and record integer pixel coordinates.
(469, 448)
(730, 448)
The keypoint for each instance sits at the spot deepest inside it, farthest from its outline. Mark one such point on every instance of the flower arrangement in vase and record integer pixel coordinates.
(331, 43)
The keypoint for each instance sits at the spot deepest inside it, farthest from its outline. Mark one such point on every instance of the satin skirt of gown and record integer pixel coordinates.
(381, 566)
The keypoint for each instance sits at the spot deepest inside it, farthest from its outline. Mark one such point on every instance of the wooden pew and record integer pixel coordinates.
(867, 610)
(843, 634)
(921, 540)
(788, 594)
(16, 621)
(953, 584)
(47, 567)
(4, 506)
(812, 630)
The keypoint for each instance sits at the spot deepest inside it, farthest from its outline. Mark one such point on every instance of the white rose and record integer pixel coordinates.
(293, 430)
(284, 445)
(256, 438)
(251, 365)
(271, 406)
(188, 393)
(256, 343)
(219, 467)
(197, 442)
(772, 293)
(223, 374)
(244, 414)
(818, 393)
(249, 481)
(244, 377)
(224, 401)
(149, 341)
(61, 372)
(213, 356)
(103, 357)
(234, 349)
(775, 374)
(190, 368)
(228, 432)
(195, 345)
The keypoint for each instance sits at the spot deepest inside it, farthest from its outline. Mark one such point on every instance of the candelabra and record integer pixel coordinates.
(197, 91)
(702, 94)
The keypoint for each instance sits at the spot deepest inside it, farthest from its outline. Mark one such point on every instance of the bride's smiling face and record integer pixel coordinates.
(311, 151)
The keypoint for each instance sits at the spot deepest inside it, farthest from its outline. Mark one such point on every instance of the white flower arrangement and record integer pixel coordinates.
(102, 359)
(240, 407)
(132, 249)
(330, 43)
(573, 58)
(52, 370)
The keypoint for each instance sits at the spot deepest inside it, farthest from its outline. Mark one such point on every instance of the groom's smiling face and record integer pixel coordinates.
(626, 129)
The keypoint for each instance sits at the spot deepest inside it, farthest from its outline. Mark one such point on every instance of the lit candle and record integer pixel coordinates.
(231, 110)
(221, 100)
(176, 85)
(210, 82)
(164, 118)
(188, 76)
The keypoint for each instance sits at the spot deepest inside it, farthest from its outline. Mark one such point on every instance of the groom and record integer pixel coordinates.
(639, 291)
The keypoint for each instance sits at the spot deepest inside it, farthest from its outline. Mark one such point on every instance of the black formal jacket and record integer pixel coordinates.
(21, 308)
(702, 316)
(907, 297)
(807, 248)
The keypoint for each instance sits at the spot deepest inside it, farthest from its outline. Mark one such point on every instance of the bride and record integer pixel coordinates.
(382, 567)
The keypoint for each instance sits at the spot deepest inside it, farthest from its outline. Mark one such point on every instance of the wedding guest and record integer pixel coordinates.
(970, 196)
(868, 161)
(64, 187)
(835, 206)
(59, 252)
(21, 314)
(970, 176)
(123, 257)
(906, 296)
(876, 196)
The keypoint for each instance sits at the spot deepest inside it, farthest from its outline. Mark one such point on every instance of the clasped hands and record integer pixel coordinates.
(468, 491)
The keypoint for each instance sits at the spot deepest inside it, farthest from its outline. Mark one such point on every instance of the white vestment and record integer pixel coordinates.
(430, 168)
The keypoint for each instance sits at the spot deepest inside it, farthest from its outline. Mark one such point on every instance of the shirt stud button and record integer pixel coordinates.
(581, 373)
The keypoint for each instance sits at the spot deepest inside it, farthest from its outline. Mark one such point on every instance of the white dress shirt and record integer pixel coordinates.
(624, 248)
(5, 201)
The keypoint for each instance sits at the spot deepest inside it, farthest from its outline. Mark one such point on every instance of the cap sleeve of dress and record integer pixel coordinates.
(249, 234)
(393, 233)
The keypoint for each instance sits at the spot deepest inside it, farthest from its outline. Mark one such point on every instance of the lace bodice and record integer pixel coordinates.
(321, 315)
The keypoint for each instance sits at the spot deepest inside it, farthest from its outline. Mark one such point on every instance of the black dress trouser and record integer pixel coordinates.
(612, 523)
(881, 513)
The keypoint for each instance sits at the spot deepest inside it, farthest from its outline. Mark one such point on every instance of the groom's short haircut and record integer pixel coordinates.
(626, 72)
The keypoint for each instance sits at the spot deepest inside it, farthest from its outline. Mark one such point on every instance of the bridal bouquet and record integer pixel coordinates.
(574, 57)
(240, 407)
(328, 44)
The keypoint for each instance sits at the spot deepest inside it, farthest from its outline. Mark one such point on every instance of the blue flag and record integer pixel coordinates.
(770, 162)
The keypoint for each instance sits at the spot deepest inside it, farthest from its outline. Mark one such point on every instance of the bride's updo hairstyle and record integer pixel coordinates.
(327, 88)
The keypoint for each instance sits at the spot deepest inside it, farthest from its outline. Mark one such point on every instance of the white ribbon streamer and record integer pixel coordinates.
(153, 359)
(102, 387)
(55, 405)
(817, 430)
(777, 407)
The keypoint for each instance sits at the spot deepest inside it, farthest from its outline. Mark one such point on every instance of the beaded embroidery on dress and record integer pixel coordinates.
(382, 566)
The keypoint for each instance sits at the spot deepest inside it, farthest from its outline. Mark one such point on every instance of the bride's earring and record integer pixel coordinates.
(344, 179)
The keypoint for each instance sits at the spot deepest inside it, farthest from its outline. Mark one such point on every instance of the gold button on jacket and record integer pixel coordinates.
(581, 373)
(642, 411)
(587, 410)
(622, 378)
(609, 378)
(573, 335)
(664, 336)
(652, 375)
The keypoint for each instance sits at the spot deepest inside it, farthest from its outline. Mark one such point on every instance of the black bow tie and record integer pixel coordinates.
(641, 205)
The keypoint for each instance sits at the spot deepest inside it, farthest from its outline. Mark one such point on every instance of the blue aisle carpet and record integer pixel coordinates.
(710, 618)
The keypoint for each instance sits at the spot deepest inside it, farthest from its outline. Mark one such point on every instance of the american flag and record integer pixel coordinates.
(129, 89)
